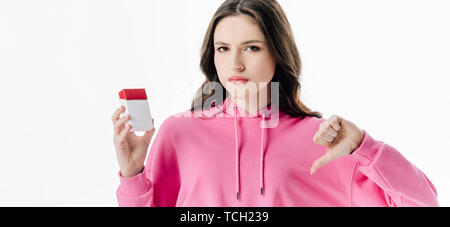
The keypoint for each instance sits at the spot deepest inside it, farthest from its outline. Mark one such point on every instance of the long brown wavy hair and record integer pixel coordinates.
(273, 22)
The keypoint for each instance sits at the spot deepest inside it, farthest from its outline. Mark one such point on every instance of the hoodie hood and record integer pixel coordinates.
(230, 110)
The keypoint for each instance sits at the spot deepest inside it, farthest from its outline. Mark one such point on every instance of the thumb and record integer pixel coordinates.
(319, 163)
(148, 136)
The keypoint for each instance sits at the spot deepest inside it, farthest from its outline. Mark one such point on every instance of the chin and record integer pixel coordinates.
(240, 95)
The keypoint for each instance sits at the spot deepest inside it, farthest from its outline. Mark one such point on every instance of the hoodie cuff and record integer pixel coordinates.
(368, 151)
(136, 185)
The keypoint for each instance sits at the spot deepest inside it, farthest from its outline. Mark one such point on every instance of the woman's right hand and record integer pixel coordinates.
(131, 150)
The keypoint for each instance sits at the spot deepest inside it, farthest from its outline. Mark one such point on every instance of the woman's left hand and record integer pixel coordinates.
(339, 136)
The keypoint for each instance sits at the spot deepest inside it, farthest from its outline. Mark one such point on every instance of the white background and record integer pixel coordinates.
(382, 64)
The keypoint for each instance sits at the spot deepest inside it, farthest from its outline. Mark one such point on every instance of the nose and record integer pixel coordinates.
(237, 65)
(238, 68)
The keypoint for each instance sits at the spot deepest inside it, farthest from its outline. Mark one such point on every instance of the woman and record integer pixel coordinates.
(245, 143)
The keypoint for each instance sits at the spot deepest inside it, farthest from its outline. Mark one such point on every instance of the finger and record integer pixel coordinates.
(326, 137)
(119, 124)
(124, 132)
(335, 122)
(330, 131)
(117, 113)
(323, 142)
(319, 163)
(320, 141)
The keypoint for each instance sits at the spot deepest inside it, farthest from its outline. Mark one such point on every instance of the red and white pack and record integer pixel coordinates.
(136, 104)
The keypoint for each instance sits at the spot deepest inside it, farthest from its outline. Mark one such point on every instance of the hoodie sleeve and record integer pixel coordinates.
(159, 182)
(382, 176)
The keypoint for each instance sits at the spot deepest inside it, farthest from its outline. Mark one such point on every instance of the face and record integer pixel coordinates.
(241, 51)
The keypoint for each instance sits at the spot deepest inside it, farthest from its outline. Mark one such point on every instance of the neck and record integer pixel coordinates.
(252, 105)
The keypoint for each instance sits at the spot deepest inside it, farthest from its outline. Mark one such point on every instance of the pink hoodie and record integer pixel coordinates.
(228, 159)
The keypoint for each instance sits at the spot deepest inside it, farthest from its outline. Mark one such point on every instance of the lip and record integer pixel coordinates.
(236, 79)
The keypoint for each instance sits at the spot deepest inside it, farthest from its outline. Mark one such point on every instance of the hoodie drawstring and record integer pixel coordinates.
(237, 153)
(261, 157)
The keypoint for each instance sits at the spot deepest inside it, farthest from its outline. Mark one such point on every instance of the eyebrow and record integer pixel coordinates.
(243, 43)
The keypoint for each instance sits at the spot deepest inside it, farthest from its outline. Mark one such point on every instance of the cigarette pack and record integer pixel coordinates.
(136, 104)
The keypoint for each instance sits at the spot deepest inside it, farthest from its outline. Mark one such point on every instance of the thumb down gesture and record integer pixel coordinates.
(339, 136)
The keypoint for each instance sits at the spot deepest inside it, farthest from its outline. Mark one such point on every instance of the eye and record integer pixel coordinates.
(222, 49)
(253, 48)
